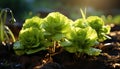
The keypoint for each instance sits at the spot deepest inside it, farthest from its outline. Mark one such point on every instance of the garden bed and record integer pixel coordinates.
(108, 59)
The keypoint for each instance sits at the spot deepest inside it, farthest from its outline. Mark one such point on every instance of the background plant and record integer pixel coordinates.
(5, 33)
(20, 11)
(111, 19)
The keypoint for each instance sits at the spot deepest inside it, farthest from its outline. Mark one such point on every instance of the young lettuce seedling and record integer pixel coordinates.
(31, 37)
(82, 41)
(86, 34)
(98, 24)
(56, 27)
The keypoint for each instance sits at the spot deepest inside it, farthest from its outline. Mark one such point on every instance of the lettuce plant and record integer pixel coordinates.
(56, 27)
(86, 34)
(98, 24)
(31, 37)
(31, 40)
(82, 41)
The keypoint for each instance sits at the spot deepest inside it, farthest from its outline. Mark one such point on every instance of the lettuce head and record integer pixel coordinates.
(98, 24)
(31, 37)
(56, 25)
(82, 40)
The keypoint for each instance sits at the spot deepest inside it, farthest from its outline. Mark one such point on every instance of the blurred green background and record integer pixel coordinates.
(23, 9)
(109, 10)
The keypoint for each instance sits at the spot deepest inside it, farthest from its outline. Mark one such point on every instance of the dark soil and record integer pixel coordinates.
(108, 59)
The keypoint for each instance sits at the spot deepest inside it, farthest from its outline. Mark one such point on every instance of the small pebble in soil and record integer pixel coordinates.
(116, 65)
(17, 66)
(6, 65)
(51, 65)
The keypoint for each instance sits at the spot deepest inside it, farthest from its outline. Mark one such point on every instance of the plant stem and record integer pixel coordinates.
(11, 34)
(6, 36)
(1, 27)
(54, 45)
(1, 32)
(79, 55)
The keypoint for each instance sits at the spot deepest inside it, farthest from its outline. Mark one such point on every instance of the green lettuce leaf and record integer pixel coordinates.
(80, 23)
(33, 22)
(95, 22)
(92, 51)
(19, 49)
